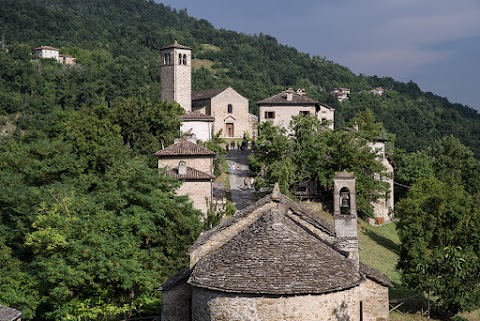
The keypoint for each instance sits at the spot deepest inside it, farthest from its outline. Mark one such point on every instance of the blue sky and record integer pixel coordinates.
(435, 43)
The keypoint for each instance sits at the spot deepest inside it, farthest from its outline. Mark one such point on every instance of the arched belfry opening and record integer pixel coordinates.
(345, 214)
(344, 201)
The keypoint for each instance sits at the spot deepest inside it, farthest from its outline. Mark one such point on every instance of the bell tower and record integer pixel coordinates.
(176, 74)
(345, 214)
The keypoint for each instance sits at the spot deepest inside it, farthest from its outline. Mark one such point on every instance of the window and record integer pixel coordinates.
(184, 59)
(304, 112)
(269, 115)
(179, 59)
(230, 108)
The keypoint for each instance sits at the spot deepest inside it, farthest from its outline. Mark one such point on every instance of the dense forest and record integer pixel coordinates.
(89, 230)
(117, 44)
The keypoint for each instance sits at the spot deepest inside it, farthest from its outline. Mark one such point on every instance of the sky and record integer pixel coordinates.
(434, 43)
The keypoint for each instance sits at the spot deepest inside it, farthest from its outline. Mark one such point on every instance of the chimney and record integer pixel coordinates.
(289, 93)
(182, 168)
(345, 215)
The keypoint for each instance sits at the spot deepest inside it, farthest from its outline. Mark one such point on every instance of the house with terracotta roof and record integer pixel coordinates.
(280, 108)
(341, 93)
(47, 52)
(275, 260)
(193, 165)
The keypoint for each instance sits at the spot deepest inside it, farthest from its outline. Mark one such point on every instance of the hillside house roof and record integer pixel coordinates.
(191, 174)
(184, 148)
(197, 116)
(46, 48)
(9, 314)
(207, 93)
(281, 99)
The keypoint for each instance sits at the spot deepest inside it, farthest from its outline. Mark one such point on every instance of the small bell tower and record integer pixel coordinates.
(345, 214)
(176, 74)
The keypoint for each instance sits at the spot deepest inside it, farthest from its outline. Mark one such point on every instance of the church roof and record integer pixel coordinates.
(191, 174)
(207, 93)
(275, 255)
(9, 314)
(184, 148)
(196, 115)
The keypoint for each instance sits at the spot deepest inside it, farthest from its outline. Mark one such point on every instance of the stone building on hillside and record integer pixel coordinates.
(193, 165)
(275, 260)
(280, 108)
(226, 109)
(47, 52)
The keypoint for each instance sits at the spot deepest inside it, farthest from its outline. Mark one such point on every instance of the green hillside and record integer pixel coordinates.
(120, 40)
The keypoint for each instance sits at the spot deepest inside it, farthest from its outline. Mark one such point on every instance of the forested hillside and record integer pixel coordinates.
(117, 43)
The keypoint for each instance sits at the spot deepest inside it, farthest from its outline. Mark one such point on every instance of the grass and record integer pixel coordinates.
(209, 47)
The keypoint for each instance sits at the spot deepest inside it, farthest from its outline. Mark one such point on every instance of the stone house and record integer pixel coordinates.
(341, 93)
(193, 165)
(275, 260)
(226, 109)
(9, 314)
(280, 108)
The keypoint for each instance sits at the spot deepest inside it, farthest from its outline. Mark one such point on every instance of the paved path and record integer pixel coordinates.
(240, 186)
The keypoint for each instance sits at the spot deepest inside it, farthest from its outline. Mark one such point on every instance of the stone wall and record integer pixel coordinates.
(176, 303)
(204, 164)
(375, 301)
(201, 129)
(219, 306)
(284, 114)
(198, 192)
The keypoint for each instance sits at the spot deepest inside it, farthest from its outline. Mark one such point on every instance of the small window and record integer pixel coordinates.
(304, 112)
(230, 108)
(165, 59)
(179, 59)
(184, 59)
(269, 115)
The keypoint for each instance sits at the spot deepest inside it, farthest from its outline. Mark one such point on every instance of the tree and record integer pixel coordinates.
(439, 251)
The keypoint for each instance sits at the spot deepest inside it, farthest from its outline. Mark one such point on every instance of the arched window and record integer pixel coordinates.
(184, 59)
(230, 108)
(179, 59)
(165, 59)
(169, 58)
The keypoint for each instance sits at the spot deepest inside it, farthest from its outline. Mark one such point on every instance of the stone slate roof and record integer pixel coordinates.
(175, 280)
(375, 275)
(276, 256)
(303, 213)
(184, 148)
(192, 174)
(9, 314)
(196, 115)
(281, 99)
(207, 93)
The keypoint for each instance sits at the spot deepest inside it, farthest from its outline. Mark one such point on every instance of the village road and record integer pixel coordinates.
(240, 179)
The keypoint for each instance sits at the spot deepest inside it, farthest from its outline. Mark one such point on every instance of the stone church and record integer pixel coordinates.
(275, 260)
(207, 111)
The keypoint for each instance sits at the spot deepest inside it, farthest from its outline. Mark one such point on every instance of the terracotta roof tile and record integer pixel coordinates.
(191, 174)
(281, 99)
(46, 48)
(184, 148)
